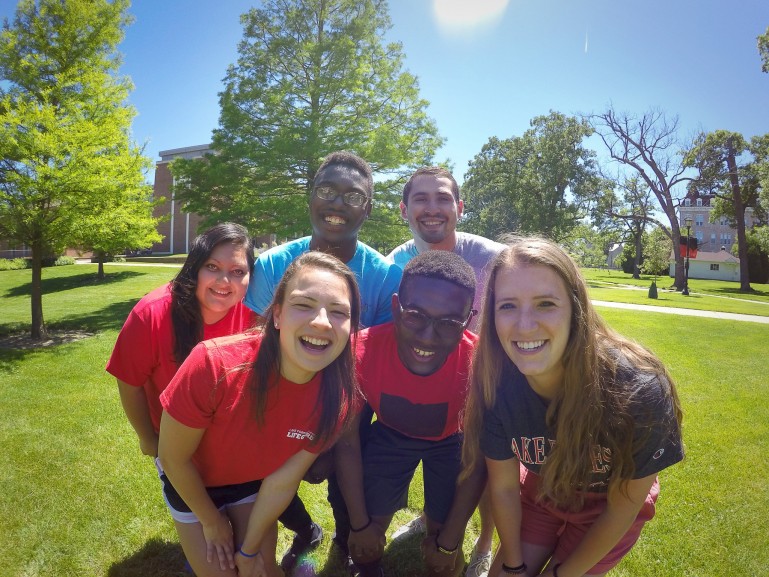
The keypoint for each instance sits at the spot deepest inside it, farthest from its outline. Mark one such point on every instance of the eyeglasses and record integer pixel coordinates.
(445, 328)
(351, 198)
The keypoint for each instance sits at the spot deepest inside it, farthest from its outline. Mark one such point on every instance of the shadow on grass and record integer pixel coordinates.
(110, 317)
(157, 558)
(737, 293)
(65, 283)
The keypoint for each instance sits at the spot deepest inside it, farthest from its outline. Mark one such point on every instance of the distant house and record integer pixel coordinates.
(719, 265)
(614, 251)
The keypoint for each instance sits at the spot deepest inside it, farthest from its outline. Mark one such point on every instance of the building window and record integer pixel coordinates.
(698, 234)
(713, 267)
(723, 221)
(699, 220)
(687, 202)
(712, 239)
(699, 202)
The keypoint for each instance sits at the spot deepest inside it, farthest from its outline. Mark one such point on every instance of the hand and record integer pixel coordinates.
(367, 545)
(149, 446)
(436, 561)
(250, 566)
(219, 542)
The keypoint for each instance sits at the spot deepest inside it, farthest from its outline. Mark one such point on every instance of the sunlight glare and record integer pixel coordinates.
(467, 13)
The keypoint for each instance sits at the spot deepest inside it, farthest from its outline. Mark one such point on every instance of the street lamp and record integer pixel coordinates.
(688, 222)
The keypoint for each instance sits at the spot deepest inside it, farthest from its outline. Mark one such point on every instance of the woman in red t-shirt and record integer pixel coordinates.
(245, 417)
(203, 301)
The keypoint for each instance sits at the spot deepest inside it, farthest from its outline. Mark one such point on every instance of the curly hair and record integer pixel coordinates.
(186, 317)
(441, 265)
(351, 160)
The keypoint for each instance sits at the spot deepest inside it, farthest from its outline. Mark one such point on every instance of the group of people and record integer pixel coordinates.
(484, 361)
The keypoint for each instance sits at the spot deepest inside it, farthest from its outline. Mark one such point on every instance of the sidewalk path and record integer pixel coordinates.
(685, 312)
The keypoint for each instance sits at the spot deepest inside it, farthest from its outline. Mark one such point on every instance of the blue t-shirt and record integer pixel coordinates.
(378, 279)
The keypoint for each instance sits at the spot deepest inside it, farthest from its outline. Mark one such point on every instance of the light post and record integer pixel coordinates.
(688, 222)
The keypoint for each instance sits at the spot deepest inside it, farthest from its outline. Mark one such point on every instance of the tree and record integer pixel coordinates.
(64, 127)
(648, 144)
(312, 77)
(725, 172)
(121, 222)
(656, 252)
(589, 247)
(541, 182)
(763, 50)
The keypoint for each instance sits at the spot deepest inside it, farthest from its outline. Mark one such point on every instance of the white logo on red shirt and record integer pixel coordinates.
(299, 434)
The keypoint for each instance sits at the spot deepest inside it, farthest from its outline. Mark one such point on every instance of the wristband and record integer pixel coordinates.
(555, 570)
(362, 528)
(246, 554)
(443, 549)
(519, 570)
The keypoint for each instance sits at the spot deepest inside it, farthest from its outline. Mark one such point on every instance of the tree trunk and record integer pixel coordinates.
(739, 215)
(638, 254)
(39, 331)
(100, 270)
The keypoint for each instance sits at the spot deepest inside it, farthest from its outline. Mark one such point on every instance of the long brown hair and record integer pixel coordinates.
(186, 318)
(338, 388)
(592, 405)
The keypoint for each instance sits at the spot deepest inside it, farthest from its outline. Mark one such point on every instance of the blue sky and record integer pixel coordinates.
(693, 58)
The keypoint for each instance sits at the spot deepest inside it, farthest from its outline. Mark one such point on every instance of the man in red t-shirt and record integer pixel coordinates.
(414, 375)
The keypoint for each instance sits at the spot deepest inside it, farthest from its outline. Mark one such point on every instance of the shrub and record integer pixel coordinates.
(64, 261)
(14, 263)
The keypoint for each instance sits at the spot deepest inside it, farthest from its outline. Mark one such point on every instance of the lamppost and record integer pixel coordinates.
(688, 222)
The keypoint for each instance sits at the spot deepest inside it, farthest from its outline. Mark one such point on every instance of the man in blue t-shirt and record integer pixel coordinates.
(340, 203)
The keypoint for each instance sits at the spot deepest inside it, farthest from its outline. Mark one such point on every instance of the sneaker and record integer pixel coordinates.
(479, 564)
(414, 527)
(299, 547)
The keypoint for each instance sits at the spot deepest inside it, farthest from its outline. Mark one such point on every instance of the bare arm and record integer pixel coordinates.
(611, 525)
(466, 498)
(178, 444)
(274, 495)
(134, 401)
(505, 492)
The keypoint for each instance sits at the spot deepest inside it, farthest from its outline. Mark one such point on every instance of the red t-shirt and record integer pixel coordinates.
(421, 407)
(211, 391)
(144, 351)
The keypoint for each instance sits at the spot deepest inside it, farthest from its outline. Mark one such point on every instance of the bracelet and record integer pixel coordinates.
(443, 549)
(246, 554)
(555, 570)
(518, 570)
(362, 528)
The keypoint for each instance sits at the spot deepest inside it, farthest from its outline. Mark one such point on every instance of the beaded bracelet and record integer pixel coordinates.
(362, 528)
(246, 554)
(519, 570)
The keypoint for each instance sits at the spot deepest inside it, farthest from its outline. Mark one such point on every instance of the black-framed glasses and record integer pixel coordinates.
(445, 328)
(331, 194)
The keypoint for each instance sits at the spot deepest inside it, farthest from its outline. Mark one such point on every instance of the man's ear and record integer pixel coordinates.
(460, 208)
(395, 305)
(404, 212)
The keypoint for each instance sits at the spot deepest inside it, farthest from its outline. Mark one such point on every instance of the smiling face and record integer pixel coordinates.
(432, 211)
(314, 323)
(333, 221)
(532, 313)
(424, 351)
(222, 281)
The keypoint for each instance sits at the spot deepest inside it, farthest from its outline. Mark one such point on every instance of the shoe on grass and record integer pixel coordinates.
(299, 547)
(414, 527)
(479, 564)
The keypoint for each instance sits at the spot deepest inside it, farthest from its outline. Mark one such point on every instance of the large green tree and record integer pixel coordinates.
(312, 77)
(725, 166)
(64, 126)
(541, 182)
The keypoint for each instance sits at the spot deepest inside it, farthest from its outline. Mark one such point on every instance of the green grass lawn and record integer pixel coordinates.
(79, 499)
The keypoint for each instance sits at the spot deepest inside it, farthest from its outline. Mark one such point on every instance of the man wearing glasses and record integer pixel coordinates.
(414, 374)
(432, 207)
(340, 203)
